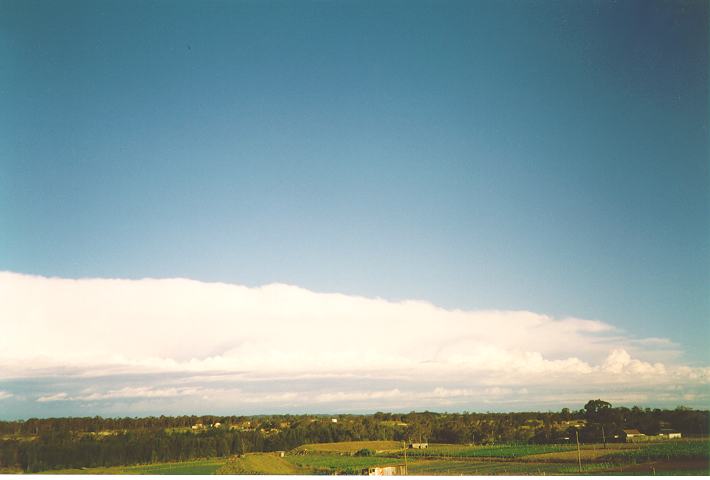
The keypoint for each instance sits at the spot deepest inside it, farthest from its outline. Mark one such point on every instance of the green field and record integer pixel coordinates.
(681, 449)
(261, 464)
(483, 467)
(341, 463)
(195, 467)
(352, 447)
(498, 451)
(684, 457)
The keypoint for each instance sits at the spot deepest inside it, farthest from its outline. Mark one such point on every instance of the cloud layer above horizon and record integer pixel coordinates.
(113, 347)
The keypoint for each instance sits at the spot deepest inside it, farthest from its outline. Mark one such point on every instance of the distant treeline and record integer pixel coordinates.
(40, 444)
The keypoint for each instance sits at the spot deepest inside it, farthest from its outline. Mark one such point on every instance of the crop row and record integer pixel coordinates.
(501, 451)
(664, 451)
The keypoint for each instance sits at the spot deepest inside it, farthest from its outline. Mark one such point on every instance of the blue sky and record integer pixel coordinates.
(550, 157)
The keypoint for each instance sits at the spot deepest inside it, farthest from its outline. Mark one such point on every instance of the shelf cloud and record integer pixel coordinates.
(120, 343)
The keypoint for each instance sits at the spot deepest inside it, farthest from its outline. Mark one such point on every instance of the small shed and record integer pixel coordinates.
(419, 445)
(633, 435)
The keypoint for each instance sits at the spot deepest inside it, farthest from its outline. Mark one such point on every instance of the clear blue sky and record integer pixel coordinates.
(549, 156)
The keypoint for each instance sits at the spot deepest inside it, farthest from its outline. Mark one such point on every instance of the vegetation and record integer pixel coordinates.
(195, 467)
(340, 462)
(675, 450)
(685, 457)
(464, 467)
(257, 464)
(352, 447)
(36, 445)
(364, 452)
(498, 451)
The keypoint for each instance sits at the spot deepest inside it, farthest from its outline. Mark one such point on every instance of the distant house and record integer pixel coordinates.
(579, 423)
(334, 420)
(216, 425)
(669, 433)
(632, 435)
(280, 453)
(391, 470)
(419, 445)
(197, 426)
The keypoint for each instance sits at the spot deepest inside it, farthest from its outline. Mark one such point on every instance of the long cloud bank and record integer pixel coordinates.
(196, 332)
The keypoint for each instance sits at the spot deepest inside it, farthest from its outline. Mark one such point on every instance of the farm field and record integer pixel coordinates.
(684, 457)
(342, 463)
(662, 451)
(485, 467)
(681, 457)
(499, 451)
(587, 453)
(352, 447)
(261, 464)
(195, 467)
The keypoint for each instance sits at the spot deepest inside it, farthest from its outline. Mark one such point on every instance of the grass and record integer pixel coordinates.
(351, 447)
(198, 467)
(598, 467)
(673, 467)
(23, 437)
(260, 464)
(491, 466)
(10, 470)
(194, 467)
(669, 458)
(498, 451)
(588, 453)
(671, 450)
(339, 462)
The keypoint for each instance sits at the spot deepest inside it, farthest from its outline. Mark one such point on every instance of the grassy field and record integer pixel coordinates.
(680, 449)
(9, 470)
(683, 457)
(473, 466)
(340, 463)
(261, 464)
(351, 447)
(18, 436)
(668, 458)
(195, 467)
(587, 454)
(498, 451)
(672, 467)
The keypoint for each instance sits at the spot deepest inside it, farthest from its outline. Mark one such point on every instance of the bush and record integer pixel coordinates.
(364, 452)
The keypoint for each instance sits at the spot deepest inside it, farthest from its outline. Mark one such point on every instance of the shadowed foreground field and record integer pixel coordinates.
(195, 467)
(685, 457)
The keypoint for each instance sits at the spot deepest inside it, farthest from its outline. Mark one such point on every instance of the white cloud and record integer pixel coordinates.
(56, 397)
(138, 392)
(357, 396)
(619, 361)
(217, 331)
(655, 341)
